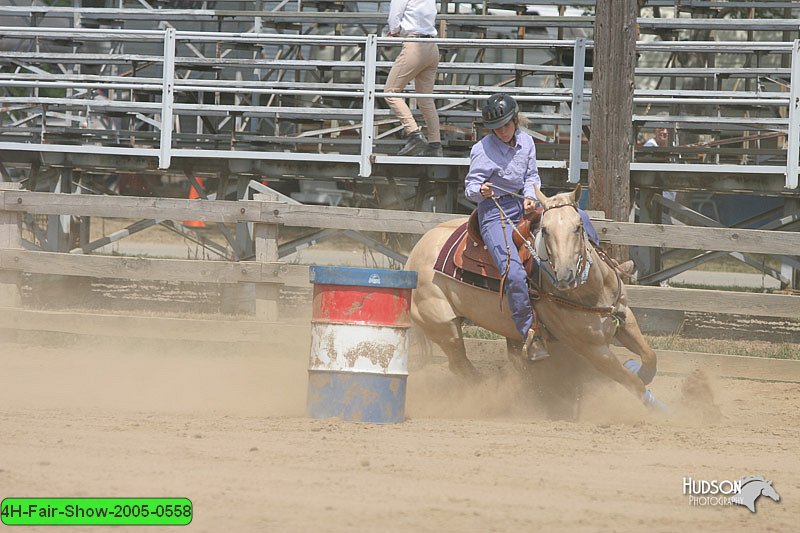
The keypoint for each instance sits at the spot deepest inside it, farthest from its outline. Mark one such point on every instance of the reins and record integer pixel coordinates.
(600, 310)
(504, 275)
(581, 266)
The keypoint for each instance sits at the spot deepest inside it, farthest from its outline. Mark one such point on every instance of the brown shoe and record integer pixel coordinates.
(534, 346)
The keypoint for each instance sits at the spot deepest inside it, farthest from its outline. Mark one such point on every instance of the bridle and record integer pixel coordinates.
(583, 265)
(584, 261)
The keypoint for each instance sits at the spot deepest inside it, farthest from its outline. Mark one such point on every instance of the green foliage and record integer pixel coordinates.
(730, 288)
(475, 332)
(775, 350)
(751, 348)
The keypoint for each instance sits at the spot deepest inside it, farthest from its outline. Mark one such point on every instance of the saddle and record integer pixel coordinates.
(472, 256)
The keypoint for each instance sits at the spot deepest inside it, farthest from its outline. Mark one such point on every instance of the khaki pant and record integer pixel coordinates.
(417, 61)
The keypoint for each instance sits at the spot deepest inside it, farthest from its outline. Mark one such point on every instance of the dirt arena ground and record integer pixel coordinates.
(226, 429)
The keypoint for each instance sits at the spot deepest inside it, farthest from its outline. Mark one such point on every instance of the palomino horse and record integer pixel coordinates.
(583, 305)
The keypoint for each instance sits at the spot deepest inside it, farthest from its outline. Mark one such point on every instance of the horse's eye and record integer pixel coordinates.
(578, 229)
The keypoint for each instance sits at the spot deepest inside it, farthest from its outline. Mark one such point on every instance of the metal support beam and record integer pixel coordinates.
(576, 123)
(368, 110)
(167, 99)
(793, 152)
(679, 211)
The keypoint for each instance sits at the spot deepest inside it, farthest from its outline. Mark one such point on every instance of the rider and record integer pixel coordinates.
(502, 173)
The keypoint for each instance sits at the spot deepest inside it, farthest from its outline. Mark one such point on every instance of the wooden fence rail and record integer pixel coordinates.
(382, 220)
(268, 273)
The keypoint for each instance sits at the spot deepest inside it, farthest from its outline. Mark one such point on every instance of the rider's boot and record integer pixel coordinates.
(534, 346)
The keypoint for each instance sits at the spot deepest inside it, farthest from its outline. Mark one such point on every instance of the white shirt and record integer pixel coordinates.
(407, 17)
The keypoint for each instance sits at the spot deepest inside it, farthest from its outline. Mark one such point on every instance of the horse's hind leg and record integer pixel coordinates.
(446, 333)
(631, 338)
(449, 338)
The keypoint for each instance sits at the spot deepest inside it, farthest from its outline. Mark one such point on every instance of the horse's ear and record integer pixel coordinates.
(539, 195)
(576, 194)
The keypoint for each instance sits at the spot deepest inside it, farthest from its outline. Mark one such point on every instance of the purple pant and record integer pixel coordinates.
(591, 232)
(516, 283)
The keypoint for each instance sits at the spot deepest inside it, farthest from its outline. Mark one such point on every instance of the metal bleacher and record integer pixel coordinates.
(101, 93)
(288, 90)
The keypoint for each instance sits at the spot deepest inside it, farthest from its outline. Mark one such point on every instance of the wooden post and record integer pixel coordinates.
(615, 34)
(239, 298)
(266, 244)
(9, 239)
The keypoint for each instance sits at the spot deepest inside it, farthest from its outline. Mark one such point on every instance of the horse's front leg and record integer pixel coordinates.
(631, 338)
(601, 357)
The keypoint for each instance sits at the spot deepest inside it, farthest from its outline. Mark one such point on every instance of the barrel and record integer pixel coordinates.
(358, 365)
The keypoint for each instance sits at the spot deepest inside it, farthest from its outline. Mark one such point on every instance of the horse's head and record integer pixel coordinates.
(564, 238)
(769, 491)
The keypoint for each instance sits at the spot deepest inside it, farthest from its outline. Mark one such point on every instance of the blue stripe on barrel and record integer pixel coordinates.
(366, 277)
(358, 397)
(358, 364)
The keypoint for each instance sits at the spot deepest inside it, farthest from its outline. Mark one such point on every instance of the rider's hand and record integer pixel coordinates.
(486, 190)
(529, 204)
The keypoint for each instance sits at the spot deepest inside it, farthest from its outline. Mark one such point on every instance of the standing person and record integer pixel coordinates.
(504, 162)
(417, 61)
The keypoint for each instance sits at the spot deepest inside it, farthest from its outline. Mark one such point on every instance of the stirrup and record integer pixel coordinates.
(535, 342)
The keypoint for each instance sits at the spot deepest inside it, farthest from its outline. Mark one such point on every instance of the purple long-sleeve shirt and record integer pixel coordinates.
(510, 168)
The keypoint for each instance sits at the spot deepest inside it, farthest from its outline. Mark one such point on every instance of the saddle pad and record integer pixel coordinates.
(445, 263)
(462, 261)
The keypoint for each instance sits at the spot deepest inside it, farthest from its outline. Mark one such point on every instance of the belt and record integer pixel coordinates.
(420, 36)
(506, 195)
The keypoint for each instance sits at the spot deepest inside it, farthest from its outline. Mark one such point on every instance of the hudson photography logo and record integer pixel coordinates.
(728, 492)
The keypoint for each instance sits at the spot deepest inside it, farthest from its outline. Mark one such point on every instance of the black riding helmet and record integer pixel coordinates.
(499, 110)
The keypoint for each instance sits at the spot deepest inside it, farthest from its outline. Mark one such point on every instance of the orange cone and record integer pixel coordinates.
(194, 195)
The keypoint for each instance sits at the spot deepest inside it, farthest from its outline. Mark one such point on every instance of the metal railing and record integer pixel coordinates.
(142, 88)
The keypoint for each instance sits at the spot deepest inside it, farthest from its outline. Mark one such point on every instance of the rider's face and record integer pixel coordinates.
(506, 132)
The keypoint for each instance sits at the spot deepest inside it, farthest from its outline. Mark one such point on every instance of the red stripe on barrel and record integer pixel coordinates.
(350, 304)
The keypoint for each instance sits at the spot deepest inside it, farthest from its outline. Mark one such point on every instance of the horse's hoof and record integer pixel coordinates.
(651, 402)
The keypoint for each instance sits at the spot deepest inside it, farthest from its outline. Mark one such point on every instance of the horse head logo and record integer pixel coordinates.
(752, 488)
